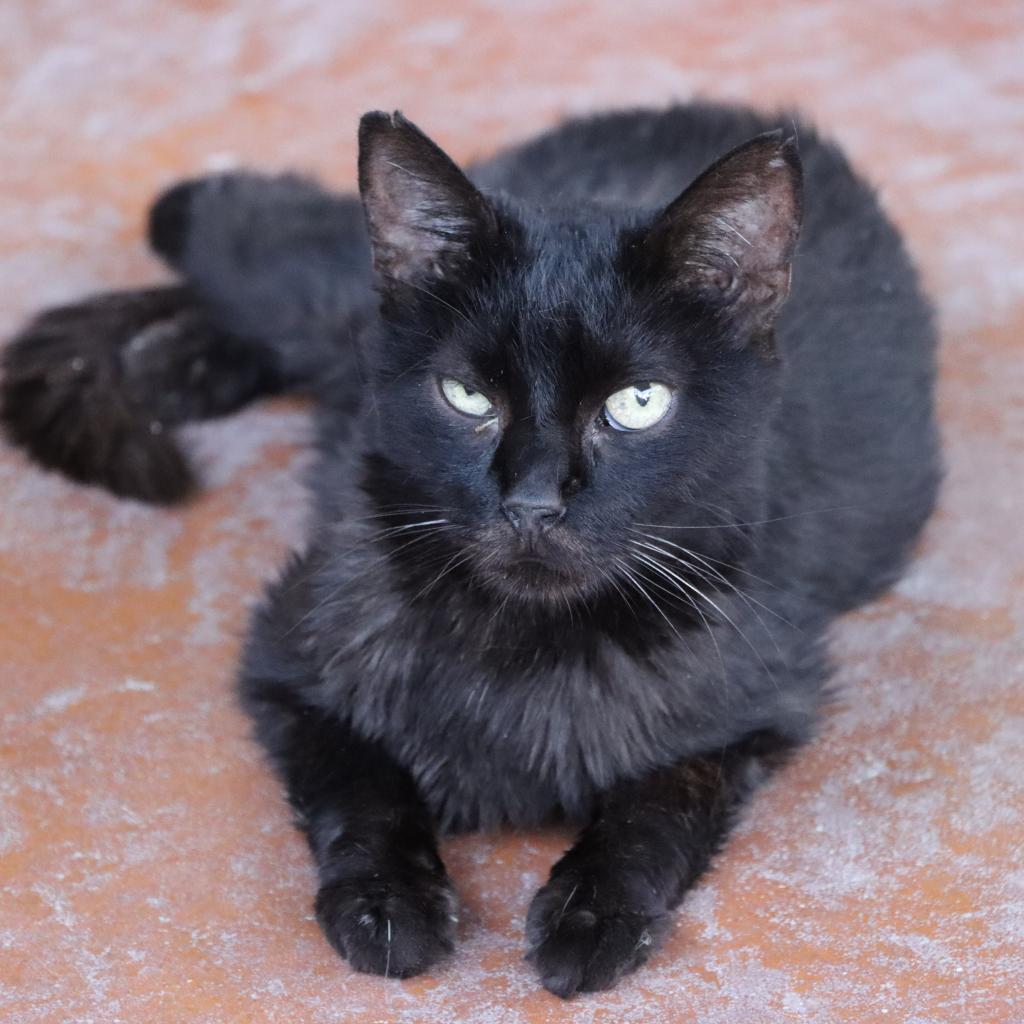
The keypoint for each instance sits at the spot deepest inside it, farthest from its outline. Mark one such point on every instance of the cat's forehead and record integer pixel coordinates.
(547, 356)
(570, 263)
(560, 313)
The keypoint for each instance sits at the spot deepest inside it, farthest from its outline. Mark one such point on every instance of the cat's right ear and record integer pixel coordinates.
(731, 235)
(426, 219)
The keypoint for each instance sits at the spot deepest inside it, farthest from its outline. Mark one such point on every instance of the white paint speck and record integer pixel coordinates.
(61, 700)
(137, 686)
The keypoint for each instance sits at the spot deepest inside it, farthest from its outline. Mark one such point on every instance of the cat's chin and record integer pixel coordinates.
(535, 580)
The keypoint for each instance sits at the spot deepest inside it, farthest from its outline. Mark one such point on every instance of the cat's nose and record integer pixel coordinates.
(532, 515)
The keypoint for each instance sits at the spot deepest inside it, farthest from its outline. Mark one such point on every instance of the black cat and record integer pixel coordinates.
(590, 490)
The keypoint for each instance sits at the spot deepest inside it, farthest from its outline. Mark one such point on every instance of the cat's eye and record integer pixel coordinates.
(463, 398)
(638, 407)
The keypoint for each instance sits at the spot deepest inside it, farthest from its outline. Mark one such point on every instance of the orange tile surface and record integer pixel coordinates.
(148, 872)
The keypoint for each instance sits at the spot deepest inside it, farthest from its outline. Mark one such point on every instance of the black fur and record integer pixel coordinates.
(91, 389)
(532, 616)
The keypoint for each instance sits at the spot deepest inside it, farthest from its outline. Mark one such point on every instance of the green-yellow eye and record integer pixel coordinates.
(462, 397)
(638, 407)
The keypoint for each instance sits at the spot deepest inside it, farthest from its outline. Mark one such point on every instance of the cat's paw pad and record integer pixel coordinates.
(394, 926)
(579, 942)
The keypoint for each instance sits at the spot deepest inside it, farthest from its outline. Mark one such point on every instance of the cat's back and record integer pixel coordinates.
(632, 158)
(642, 159)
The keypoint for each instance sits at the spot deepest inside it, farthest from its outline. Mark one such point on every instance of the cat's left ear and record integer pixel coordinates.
(425, 218)
(731, 235)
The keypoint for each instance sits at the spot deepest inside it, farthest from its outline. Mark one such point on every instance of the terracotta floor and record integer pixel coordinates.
(147, 867)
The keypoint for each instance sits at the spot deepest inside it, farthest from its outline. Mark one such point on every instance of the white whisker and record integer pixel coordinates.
(460, 558)
(643, 593)
(718, 608)
(661, 570)
(705, 558)
(610, 577)
(393, 512)
(709, 573)
(755, 522)
(718, 577)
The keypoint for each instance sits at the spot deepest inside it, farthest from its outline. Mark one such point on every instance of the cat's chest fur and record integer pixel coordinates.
(499, 727)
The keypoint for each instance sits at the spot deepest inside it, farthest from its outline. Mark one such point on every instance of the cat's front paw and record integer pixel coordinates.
(583, 936)
(394, 923)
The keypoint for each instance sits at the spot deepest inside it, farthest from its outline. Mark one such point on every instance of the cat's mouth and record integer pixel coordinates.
(534, 567)
(546, 568)
(531, 575)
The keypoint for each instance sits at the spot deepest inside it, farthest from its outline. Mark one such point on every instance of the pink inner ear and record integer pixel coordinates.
(416, 229)
(423, 213)
(735, 229)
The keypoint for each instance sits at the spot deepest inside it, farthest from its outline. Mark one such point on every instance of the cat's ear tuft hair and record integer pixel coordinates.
(424, 216)
(732, 234)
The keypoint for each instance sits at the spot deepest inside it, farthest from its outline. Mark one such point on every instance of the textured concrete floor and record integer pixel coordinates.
(148, 872)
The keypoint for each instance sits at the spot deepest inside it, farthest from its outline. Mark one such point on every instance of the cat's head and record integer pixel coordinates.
(556, 387)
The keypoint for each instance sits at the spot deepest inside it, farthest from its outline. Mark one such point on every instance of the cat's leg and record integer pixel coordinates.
(608, 901)
(384, 899)
(275, 258)
(277, 286)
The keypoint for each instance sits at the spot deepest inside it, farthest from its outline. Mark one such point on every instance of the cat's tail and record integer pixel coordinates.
(277, 283)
